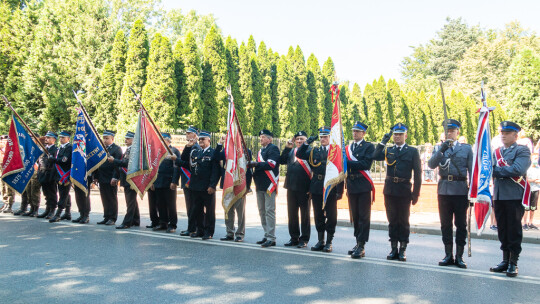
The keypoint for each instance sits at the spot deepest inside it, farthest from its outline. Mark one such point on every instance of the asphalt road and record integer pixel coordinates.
(71, 263)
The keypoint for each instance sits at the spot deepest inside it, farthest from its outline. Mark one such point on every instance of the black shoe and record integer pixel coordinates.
(21, 211)
(239, 239)
(512, 270)
(227, 238)
(268, 244)
(318, 247)
(159, 227)
(327, 247)
(195, 235)
(103, 222)
(302, 244)
(55, 219)
(359, 252)
(291, 243)
(27, 213)
(402, 248)
(171, 230)
(393, 255)
(66, 216)
(77, 219)
(84, 220)
(123, 226)
(51, 214)
(185, 233)
(448, 258)
(502, 266)
(34, 214)
(207, 237)
(261, 241)
(110, 223)
(45, 213)
(352, 250)
(150, 226)
(459, 257)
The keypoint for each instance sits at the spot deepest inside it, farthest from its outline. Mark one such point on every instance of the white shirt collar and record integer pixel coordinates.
(359, 142)
(63, 145)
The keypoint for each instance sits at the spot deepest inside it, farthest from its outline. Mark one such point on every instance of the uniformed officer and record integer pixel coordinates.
(83, 202)
(204, 178)
(185, 176)
(132, 217)
(454, 161)
(360, 187)
(401, 161)
(32, 195)
(325, 216)
(164, 188)
(266, 177)
(62, 162)
(297, 183)
(511, 162)
(108, 189)
(46, 176)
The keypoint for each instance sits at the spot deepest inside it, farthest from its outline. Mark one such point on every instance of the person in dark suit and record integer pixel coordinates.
(325, 213)
(46, 176)
(83, 202)
(454, 161)
(132, 217)
(511, 162)
(360, 188)
(297, 183)
(185, 176)
(108, 189)
(266, 177)
(401, 161)
(62, 162)
(204, 167)
(165, 189)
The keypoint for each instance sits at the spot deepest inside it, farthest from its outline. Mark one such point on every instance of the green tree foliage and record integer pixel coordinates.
(233, 61)
(328, 77)
(245, 82)
(300, 90)
(159, 93)
(190, 98)
(266, 70)
(118, 62)
(105, 110)
(316, 95)
(285, 93)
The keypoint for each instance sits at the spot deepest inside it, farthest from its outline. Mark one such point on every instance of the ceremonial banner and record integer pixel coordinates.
(19, 158)
(147, 153)
(88, 153)
(234, 183)
(482, 168)
(336, 166)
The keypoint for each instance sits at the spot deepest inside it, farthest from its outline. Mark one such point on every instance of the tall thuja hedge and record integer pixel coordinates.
(300, 90)
(118, 62)
(189, 98)
(135, 77)
(159, 93)
(285, 93)
(231, 51)
(265, 70)
(316, 94)
(105, 110)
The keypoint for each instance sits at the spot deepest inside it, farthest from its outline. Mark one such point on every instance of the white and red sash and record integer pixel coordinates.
(365, 173)
(520, 180)
(273, 178)
(303, 163)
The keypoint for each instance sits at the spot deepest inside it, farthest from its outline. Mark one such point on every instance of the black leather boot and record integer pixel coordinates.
(359, 251)
(448, 258)
(459, 257)
(67, 214)
(393, 255)
(21, 210)
(56, 217)
(353, 249)
(402, 248)
(51, 214)
(27, 213)
(328, 246)
(36, 212)
(320, 244)
(45, 213)
(512, 267)
(503, 266)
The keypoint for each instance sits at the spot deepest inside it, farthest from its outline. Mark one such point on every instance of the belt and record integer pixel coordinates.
(453, 178)
(396, 179)
(353, 176)
(319, 176)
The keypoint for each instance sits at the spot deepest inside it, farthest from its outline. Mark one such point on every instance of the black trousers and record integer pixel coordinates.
(166, 205)
(453, 208)
(203, 210)
(132, 218)
(398, 211)
(299, 200)
(360, 206)
(509, 214)
(152, 207)
(325, 219)
(83, 201)
(109, 199)
(64, 200)
(49, 191)
(192, 223)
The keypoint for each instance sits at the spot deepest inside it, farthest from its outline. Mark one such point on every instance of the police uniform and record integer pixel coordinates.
(83, 202)
(62, 162)
(507, 195)
(104, 175)
(185, 176)
(266, 177)
(46, 177)
(454, 161)
(401, 162)
(204, 174)
(360, 191)
(325, 218)
(297, 183)
(132, 217)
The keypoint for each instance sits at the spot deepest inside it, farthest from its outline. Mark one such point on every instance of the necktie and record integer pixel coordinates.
(354, 146)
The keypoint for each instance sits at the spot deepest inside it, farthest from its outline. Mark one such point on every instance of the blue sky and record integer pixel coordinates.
(366, 39)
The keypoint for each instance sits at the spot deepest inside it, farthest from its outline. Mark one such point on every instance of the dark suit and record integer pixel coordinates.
(47, 177)
(132, 217)
(107, 192)
(507, 196)
(168, 173)
(325, 218)
(62, 162)
(401, 163)
(204, 169)
(185, 175)
(83, 199)
(297, 183)
(359, 188)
